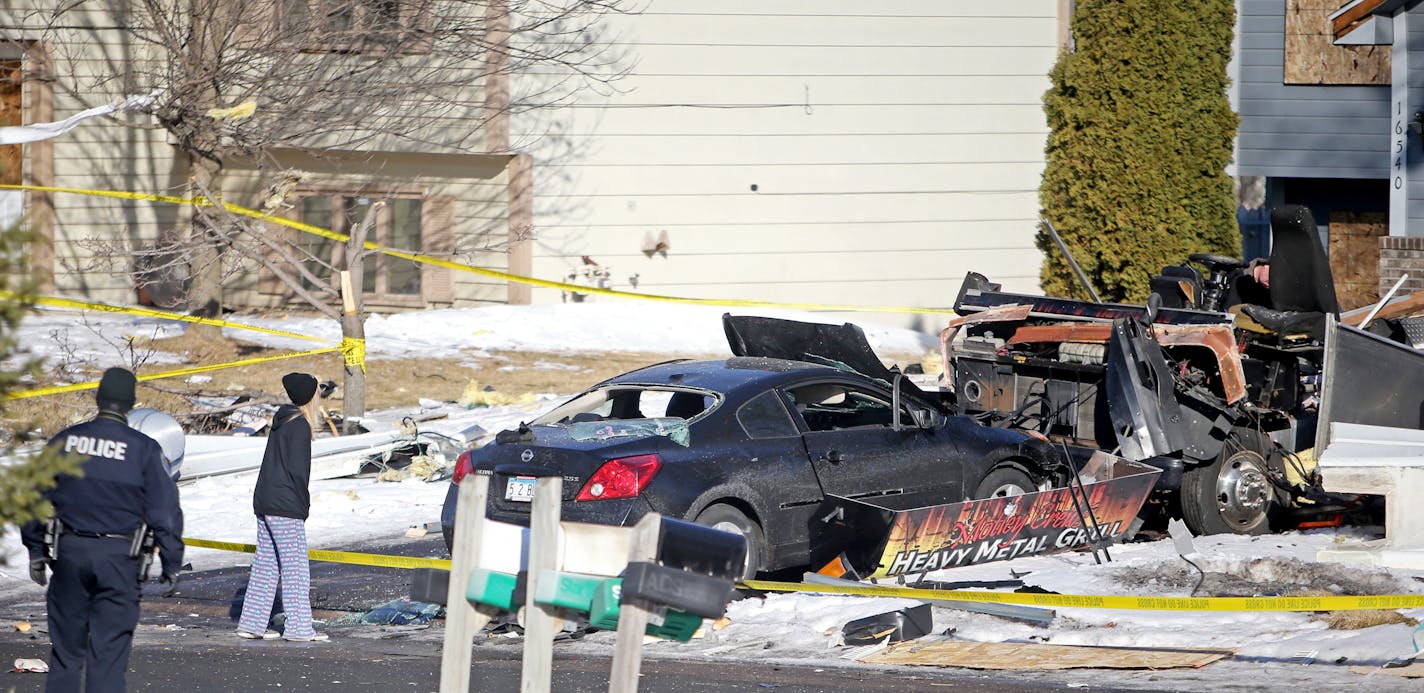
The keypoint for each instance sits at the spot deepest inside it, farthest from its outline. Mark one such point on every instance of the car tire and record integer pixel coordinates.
(1005, 481)
(1233, 494)
(729, 519)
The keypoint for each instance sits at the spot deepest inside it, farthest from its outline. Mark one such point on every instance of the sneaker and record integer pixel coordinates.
(269, 635)
(315, 637)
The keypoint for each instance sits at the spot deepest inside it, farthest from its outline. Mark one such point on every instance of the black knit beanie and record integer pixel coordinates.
(116, 390)
(301, 387)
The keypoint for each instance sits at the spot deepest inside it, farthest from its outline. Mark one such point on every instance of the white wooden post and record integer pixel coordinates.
(633, 614)
(462, 621)
(540, 622)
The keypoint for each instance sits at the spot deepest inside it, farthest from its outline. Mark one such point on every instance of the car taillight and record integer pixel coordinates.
(624, 477)
(463, 465)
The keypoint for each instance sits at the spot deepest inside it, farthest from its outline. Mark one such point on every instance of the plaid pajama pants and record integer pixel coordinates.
(281, 560)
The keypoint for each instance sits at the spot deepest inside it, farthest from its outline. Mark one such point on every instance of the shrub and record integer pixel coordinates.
(1140, 134)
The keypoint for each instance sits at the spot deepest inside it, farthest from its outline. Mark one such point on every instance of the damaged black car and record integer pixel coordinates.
(767, 444)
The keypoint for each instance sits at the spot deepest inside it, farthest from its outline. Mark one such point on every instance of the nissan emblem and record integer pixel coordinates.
(526, 455)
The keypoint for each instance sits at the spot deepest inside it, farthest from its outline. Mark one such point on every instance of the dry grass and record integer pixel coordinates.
(1352, 620)
(1359, 620)
(390, 383)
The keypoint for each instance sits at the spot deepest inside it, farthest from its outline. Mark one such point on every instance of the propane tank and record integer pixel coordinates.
(164, 429)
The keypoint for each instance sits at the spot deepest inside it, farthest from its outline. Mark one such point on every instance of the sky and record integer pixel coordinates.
(1283, 649)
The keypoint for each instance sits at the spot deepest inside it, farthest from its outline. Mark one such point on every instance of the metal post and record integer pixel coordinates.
(633, 613)
(462, 621)
(1073, 264)
(1375, 311)
(540, 622)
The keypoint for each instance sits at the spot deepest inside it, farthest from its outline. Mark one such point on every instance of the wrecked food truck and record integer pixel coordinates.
(1225, 396)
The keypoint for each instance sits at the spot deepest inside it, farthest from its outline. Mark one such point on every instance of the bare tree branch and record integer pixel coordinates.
(251, 79)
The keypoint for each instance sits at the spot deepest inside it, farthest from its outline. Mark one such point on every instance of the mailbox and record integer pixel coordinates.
(695, 569)
(503, 591)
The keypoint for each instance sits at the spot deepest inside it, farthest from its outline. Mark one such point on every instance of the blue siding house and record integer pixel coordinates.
(1331, 98)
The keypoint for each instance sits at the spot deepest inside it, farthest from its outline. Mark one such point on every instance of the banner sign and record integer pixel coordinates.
(998, 529)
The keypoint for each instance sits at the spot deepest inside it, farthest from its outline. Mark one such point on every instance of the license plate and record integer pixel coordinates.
(519, 488)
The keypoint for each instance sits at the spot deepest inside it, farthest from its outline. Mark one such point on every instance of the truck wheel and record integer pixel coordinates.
(729, 519)
(1004, 481)
(1233, 494)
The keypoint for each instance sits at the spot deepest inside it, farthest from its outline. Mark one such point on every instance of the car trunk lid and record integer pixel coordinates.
(548, 447)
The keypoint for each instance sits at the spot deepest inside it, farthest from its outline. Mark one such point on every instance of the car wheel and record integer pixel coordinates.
(730, 519)
(1233, 494)
(1005, 481)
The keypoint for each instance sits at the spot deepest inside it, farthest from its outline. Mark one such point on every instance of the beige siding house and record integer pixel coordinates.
(799, 151)
(804, 151)
(447, 201)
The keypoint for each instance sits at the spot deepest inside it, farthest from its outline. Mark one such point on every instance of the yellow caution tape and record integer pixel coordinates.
(238, 112)
(353, 352)
(107, 308)
(350, 557)
(354, 355)
(201, 201)
(76, 387)
(1343, 603)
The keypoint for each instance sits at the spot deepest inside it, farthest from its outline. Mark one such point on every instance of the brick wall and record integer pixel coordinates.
(1400, 255)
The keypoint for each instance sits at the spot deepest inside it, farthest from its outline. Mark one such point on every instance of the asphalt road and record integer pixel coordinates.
(338, 666)
(186, 643)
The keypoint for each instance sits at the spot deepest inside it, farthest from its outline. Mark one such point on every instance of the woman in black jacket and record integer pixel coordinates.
(282, 502)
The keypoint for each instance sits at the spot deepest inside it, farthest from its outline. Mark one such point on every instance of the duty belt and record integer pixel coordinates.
(99, 535)
(140, 541)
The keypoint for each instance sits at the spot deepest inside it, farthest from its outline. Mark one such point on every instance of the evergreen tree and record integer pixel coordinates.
(24, 480)
(1140, 134)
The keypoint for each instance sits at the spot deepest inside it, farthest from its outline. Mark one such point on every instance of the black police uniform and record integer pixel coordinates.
(93, 597)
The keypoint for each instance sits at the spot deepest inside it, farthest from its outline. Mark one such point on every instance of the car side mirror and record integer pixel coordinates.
(924, 418)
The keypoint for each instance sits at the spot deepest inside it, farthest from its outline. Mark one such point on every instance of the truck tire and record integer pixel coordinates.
(1233, 494)
(729, 519)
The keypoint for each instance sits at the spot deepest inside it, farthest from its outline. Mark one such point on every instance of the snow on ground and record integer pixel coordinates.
(346, 510)
(66, 338)
(797, 627)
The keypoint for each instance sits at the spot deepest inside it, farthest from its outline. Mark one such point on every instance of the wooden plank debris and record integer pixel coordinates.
(1415, 670)
(1032, 614)
(1041, 656)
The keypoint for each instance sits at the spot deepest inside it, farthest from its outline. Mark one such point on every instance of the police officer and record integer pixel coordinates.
(93, 595)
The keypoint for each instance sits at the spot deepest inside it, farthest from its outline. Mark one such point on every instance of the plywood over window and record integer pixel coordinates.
(12, 161)
(1355, 256)
(1313, 58)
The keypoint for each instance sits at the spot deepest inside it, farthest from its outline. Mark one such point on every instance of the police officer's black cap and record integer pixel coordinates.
(301, 387)
(116, 389)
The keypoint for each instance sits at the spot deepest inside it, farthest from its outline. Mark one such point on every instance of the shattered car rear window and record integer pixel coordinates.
(633, 402)
(673, 428)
